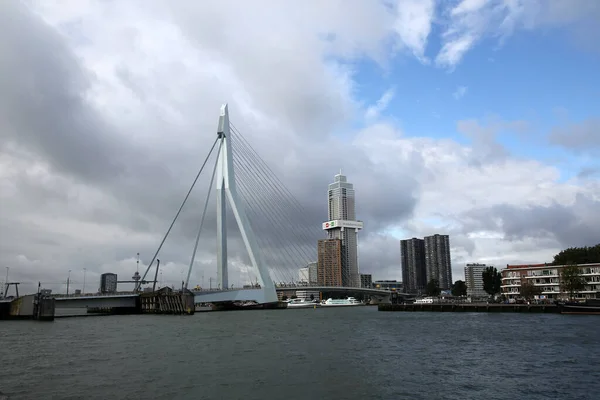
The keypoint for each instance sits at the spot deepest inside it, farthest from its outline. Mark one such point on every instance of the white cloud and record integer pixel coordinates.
(460, 92)
(413, 24)
(471, 21)
(381, 105)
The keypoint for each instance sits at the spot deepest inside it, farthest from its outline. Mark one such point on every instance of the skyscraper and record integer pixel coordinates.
(437, 260)
(343, 225)
(412, 255)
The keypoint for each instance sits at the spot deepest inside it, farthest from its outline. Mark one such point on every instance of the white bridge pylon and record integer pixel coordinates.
(227, 191)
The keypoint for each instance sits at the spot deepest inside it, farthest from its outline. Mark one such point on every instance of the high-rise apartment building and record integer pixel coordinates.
(108, 283)
(342, 225)
(366, 281)
(313, 272)
(474, 280)
(437, 260)
(329, 264)
(412, 256)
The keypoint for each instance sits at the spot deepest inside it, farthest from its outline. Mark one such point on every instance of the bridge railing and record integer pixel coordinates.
(69, 296)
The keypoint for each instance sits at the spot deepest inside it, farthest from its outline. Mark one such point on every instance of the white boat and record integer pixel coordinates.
(350, 301)
(302, 303)
(424, 300)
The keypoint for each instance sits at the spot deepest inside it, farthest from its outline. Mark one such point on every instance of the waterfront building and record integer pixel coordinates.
(474, 279)
(547, 277)
(303, 275)
(312, 273)
(329, 262)
(366, 281)
(342, 225)
(108, 283)
(412, 257)
(437, 260)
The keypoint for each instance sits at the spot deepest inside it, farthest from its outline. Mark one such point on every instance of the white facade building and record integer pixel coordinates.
(474, 279)
(303, 275)
(343, 225)
(547, 277)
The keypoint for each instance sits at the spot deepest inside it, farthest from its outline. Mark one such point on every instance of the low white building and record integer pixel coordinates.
(303, 275)
(547, 277)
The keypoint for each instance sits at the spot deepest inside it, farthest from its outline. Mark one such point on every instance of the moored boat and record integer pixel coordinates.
(302, 303)
(589, 307)
(350, 301)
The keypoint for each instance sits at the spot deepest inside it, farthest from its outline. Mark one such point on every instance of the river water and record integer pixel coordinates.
(343, 353)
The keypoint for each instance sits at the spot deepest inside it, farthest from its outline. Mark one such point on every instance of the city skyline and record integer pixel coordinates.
(101, 137)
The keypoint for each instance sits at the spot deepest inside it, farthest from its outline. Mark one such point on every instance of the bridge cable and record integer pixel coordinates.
(253, 205)
(177, 215)
(275, 209)
(278, 192)
(276, 199)
(212, 178)
(308, 235)
(249, 187)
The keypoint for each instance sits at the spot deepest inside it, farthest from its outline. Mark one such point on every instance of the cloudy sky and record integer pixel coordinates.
(475, 118)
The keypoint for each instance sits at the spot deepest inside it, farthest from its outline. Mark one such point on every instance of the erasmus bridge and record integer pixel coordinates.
(276, 232)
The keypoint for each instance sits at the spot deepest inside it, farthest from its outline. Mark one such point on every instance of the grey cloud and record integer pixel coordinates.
(588, 172)
(582, 137)
(578, 225)
(129, 178)
(42, 106)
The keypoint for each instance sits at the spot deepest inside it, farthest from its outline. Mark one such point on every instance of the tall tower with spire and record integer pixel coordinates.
(342, 224)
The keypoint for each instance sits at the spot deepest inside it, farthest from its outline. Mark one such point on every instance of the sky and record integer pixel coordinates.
(476, 118)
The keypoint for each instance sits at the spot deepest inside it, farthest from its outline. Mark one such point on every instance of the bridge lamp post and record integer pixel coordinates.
(84, 272)
(5, 288)
(68, 279)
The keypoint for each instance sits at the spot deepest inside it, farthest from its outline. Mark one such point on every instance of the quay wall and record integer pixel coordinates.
(446, 307)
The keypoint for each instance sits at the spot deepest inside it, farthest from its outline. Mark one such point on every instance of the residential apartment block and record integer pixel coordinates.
(548, 278)
(437, 260)
(412, 257)
(474, 279)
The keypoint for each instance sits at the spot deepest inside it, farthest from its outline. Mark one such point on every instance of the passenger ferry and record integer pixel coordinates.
(350, 301)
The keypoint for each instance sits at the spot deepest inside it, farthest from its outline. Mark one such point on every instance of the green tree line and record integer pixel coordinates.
(578, 255)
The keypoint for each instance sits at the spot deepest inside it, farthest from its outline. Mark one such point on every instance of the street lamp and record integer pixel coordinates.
(83, 289)
(68, 279)
(5, 289)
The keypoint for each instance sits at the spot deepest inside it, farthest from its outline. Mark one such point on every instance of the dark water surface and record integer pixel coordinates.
(344, 353)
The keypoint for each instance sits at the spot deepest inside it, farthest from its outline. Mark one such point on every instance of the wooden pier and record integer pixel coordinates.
(468, 307)
(166, 301)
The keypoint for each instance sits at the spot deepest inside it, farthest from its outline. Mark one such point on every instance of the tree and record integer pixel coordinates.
(578, 255)
(571, 280)
(459, 288)
(433, 288)
(492, 280)
(528, 290)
